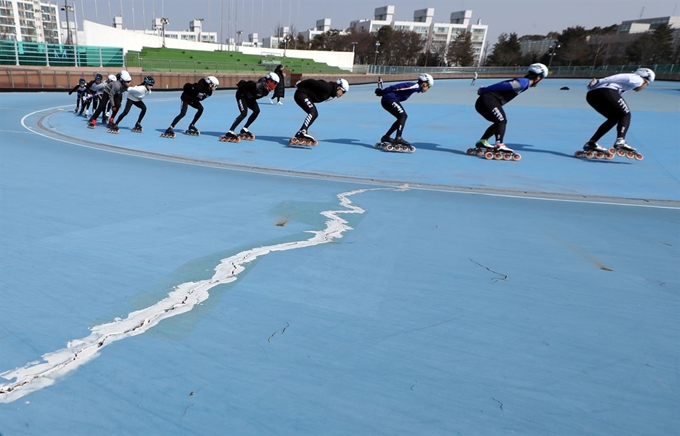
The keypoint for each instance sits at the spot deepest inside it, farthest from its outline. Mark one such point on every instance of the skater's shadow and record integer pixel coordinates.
(530, 149)
(349, 141)
(435, 147)
(281, 140)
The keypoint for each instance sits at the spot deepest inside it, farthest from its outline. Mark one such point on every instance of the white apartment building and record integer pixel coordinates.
(437, 36)
(195, 32)
(32, 21)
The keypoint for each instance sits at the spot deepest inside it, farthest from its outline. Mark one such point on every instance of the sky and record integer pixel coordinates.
(225, 17)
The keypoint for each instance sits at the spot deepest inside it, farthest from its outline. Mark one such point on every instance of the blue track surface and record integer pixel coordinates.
(158, 286)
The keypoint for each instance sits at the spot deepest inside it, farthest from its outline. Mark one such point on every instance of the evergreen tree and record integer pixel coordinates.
(506, 51)
(460, 50)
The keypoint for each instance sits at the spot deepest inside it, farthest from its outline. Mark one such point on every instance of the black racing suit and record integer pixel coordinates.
(247, 94)
(312, 91)
(193, 95)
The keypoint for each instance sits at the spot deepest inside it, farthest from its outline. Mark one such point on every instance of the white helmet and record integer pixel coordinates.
(646, 73)
(125, 76)
(212, 80)
(112, 78)
(538, 69)
(426, 78)
(344, 84)
(273, 77)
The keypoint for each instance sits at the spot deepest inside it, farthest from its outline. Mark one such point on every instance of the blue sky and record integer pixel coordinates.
(262, 16)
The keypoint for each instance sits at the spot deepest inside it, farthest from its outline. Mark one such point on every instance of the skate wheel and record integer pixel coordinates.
(579, 153)
(612, 150)
(313, 143)
(639, 156)
(293, 141)
(609, 156)
(412, 149)
(389, 147)
(589, 154)
(498, 156)
(516, 157)
(630, 155)
(507, 156)
(488, 155)
(480, 152)
(621, 153)
(470, 151)
(599, 155)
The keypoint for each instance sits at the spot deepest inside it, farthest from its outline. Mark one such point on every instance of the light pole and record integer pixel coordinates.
(66, 8)
(164, 21)
(354, 44)
(238, 37)
(377, 47)
(552, 53)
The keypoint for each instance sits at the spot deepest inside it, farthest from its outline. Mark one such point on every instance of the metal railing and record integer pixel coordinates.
(59, 55)
(665, 72)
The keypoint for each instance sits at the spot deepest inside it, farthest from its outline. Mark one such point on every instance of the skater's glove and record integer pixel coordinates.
(593, 83)
(378, 92)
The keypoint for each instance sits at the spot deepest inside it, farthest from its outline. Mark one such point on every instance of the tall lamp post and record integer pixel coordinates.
(377, 50)
(238, 37)
(66, 8)
(164, 21)
(552, 52)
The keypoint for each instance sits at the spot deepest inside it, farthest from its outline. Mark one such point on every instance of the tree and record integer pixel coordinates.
(663, 44)
(461, 51)
(506, 51)
(574, 46)
(641, 51)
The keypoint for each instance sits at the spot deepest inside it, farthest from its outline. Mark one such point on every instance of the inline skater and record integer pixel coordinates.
(247, 94)
(80, 89)
(490, 104)
(114, 91)
(135, 95)
(391, 100)
(605, 96)
(312, 91)
(91, 97)
(192, 95)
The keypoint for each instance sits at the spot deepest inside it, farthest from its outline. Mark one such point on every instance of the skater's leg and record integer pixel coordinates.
(306, 105)
(128, 105)
(491, 109)
(182, 113)
(142, 111)
(612, 106)
(199, 111)
(255, 108)
(397, 111)
(243, 111)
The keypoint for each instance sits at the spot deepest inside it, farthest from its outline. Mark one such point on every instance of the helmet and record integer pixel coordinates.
(646, 73)
(273, 77)
(125, 76)
(111, 78)
(82, 81)
(343, 84)
(212, 80)
(426, 78)
(98, 76)
(538, 69)
(148, 80)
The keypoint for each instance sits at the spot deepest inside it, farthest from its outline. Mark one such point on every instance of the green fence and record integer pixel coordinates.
(59, 55)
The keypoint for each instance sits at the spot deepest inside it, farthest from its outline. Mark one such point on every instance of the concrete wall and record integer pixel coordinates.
(106, 36)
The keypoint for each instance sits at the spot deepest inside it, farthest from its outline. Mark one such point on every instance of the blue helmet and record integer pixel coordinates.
(148, 80)
(98, 76)
(82, 81)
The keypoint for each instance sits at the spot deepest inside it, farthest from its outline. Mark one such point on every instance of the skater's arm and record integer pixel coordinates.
(516, 85)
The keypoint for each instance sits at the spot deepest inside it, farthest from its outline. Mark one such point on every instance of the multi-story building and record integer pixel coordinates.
(194, 34)
(30, 21)
(436, 36)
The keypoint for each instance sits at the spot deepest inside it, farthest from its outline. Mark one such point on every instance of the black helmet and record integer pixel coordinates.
(148, 80)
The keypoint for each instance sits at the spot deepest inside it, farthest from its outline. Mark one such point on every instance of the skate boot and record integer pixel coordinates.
(386, 143)
(400, 144)
(622, 148)
(501, 151)
(246, 134)
(113, 128)
(230, 136)
(86, 114)
(137, 128)
(481, 147)
(192, 130)
(303, 138)
(592, 149)
(169, 133)
(91, 124)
